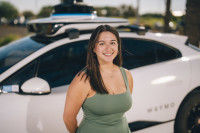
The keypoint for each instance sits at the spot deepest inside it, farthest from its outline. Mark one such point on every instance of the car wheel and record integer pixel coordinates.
(188, 116)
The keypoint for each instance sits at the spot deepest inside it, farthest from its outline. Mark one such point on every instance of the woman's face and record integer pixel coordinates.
(106, 47)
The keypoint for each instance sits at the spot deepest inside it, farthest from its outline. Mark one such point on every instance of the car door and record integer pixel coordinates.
(42, 113)
(161, 77)
(59, 66)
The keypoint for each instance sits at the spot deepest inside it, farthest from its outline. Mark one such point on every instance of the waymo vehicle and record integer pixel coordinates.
(35, 73)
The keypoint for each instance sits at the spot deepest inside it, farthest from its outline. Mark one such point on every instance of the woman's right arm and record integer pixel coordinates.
(76, 95)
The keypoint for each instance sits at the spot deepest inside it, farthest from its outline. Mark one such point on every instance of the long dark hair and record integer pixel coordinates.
(92, 65)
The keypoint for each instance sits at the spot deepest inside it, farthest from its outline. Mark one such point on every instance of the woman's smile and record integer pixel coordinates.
(108, 54)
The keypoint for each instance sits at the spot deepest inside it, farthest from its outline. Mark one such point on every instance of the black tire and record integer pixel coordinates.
(188, 116)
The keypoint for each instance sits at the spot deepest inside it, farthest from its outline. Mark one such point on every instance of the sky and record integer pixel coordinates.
(145, 6)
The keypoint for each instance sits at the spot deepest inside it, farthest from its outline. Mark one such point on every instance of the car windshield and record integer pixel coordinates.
(16, 51)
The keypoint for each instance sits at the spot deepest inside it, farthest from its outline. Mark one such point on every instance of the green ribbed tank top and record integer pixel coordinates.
(104, 113)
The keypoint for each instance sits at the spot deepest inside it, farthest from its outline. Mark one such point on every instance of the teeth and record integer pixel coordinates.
(107, 54)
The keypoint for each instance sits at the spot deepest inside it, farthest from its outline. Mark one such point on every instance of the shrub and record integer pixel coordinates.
(7, 39)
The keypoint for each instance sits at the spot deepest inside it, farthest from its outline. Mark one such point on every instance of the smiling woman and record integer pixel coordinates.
(103, 88)
(106, 48)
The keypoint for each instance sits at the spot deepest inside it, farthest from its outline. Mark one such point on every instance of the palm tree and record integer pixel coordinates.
(70, 1)
(192, 23)
(167, 16)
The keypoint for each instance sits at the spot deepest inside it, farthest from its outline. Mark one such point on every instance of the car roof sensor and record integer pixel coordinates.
(71, 9)
(69, 15)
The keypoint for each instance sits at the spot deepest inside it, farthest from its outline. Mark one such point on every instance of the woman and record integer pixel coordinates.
(103, 89)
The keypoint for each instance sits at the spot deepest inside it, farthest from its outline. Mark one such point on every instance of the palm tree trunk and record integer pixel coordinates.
(167, 16)
(192, 23)
(70, 1)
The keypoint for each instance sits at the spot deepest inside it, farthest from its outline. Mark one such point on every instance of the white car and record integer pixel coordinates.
(35, 73)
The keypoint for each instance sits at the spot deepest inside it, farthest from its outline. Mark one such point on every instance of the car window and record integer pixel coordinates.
(60, 65)
(164, 52)
(138, 52)
(16, 51)
(21, 75)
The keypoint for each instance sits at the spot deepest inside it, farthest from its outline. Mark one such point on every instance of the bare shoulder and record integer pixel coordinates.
(130, 79)
(80, 84)
(80, 78)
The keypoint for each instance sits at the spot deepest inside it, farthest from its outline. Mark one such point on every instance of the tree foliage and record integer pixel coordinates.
(122, 11)
(107, 11)
(127, 11)
(28, 14)
(153, 15)
(8, 11)
(45, 12)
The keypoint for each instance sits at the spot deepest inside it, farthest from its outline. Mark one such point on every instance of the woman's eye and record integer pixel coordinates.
(112, 42)
(101, 43)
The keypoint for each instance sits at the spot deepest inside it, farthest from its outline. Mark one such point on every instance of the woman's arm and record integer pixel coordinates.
(76, 95)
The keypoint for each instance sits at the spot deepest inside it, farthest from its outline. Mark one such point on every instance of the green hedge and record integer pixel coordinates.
(7, 39)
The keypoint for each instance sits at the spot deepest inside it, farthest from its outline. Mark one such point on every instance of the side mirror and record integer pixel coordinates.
(36, 86)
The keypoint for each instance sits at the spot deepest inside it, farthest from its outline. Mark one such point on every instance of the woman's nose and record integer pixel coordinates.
(108, 47)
